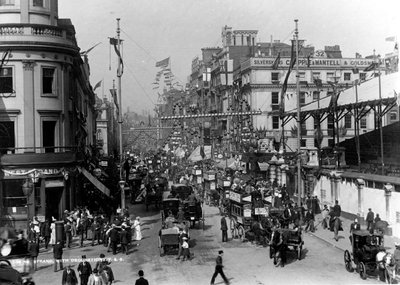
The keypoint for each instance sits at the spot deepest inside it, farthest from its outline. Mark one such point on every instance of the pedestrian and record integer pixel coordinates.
(46, 233)
(102, 263)
(68, 233)
(141, 280)
(69, 276)
(370, 219)
(57, 254)
(224, 229)
(53, 231)
(33, 249)
(95, 232)
(138, 232)
(219, 268)
(337, 210)
(181, 235)
(114, 238)
(396, 256)
(109, 275)
(325, 217)
(377, 218)
(84, 270)
(124, 240)
(185, 249)
(309, 220)
(95, 278)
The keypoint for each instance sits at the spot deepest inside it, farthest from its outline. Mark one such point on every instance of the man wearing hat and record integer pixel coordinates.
(396, 256)
(218, 268)
(69, 276)
(185, 249)
(84, 270)
(370, 219)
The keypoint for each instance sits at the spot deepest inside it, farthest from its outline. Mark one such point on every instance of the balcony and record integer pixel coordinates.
(27, 34)
(19, 157)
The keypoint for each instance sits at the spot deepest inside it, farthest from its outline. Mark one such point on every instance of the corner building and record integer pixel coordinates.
(47, 116)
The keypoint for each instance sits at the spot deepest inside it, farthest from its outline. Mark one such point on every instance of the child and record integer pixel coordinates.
(185, 249)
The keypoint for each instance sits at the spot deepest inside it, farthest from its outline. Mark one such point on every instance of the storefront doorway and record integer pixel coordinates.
(53, 200)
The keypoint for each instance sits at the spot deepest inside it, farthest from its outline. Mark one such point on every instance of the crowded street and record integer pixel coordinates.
(199, 142)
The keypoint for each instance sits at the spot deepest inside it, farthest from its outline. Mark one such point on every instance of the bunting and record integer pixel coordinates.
(371, 67)
(115, 43)
(163, 63)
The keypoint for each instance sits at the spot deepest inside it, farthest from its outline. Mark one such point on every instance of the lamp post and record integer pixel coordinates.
(28, 188)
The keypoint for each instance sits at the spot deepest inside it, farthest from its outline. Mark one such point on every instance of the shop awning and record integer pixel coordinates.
(95, 181)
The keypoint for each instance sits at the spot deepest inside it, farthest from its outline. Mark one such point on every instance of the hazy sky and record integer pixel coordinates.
(155, 29)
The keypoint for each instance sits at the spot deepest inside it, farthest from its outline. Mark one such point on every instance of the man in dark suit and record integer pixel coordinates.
(114, 236)
(141, 280)
(337, 210)
(57, 254)
(34, 251)
(68, 233)
(370, 219)
(224, 229)
(84, 270)
(69, 276)
(123, 235)
(218, 268)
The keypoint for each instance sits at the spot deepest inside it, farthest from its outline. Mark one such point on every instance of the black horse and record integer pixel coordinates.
(153, 196)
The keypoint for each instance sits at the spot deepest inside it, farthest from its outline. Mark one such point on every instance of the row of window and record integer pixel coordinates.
(48, 80)
(330, 76)
(35, 3)
(347, 122)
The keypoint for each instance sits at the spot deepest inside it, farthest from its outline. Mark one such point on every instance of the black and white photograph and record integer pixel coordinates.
(187, 142)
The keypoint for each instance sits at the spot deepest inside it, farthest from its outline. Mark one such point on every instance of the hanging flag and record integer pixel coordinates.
(318, 82)
(163, 63)
(114, 42)
(355, 70)
(284, 85)
(390, 39)
(371, 67)
(98, 84)
(276, 62)
(114, 95)
(89, 50)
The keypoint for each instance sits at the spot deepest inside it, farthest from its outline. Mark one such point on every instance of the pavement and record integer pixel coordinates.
(343, 242)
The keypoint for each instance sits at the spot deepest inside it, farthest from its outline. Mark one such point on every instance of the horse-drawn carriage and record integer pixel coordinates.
(193, 212)
(287, 238)
(368, 255)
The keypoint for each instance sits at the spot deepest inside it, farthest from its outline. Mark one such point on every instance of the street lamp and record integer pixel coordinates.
(28, 188)
(122, 186)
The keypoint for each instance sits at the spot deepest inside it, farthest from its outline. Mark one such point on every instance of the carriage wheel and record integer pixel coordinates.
(361, 270)
(347, 261)
(299, 249)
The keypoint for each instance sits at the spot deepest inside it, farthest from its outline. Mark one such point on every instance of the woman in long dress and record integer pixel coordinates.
(53, 232)
(138, 232)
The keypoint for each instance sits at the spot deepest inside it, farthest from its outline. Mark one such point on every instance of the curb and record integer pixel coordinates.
(327, 241)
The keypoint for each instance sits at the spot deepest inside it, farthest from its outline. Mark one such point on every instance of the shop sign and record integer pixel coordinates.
(198, 179)
(103, 163)
(212, 185)
(247, 211)
(227, 183)
(198, 172)
(21, 172)
(260, 211)
(235, 196)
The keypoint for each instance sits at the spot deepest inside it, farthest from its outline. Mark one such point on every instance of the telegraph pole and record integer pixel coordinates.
(296, 37)
(119, 75)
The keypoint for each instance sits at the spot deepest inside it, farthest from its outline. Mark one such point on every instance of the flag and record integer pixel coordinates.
(114, 95)
(318, 82)
(114, 42)
(390, 39)
(163, 63)
(98, 84)
(89, 50)
(309, 60)
(356, 75)
(202, 153)
(371, 67)
(276, 62)
(284, 85)
(355, 70)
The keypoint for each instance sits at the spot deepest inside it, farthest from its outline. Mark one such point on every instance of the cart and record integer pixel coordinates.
(364, 251)
(168, 240)
(292, 238)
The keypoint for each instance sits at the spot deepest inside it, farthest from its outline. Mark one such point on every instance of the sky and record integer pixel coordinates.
(156, 29)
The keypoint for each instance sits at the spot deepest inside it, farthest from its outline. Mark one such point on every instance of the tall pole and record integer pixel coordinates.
(381, 122)
(357, 130)
(119, 75)
(296, 36)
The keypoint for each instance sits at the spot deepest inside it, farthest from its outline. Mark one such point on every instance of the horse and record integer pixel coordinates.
(386, 265)
(153, 196)
(276, 246)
